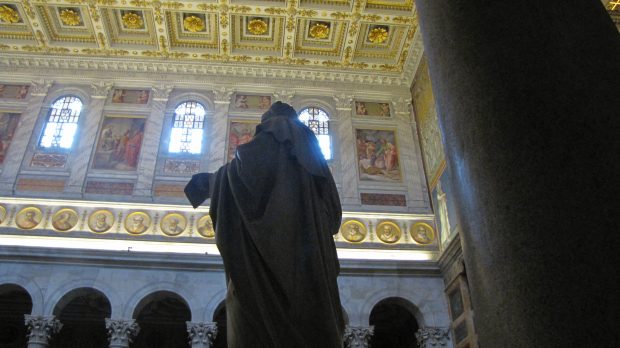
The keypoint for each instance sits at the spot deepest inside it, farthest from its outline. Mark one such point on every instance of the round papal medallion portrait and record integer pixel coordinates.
(205, 227)
(422, 233)
(64, 219)
(173, 224)
(353, 231)
(2, 213)
(101, 221)
(388, 232)
(137, 222)
(29, 218)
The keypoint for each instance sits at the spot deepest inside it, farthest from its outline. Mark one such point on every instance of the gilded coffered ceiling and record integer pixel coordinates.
(373, 36)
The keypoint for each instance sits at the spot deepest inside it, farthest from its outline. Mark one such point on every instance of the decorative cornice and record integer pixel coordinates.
(42, 65)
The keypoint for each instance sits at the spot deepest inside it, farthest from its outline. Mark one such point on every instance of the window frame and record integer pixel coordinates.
(174, 120)
(327, 127)
(47, 120)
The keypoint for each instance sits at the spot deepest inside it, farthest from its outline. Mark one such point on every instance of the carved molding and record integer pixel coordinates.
(40, 87)
(201, 334)
(433, 337)
(358, 337)
(41, 328)
(121, 332)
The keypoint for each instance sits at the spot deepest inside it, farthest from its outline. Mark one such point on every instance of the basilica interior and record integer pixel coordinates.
(108, 107)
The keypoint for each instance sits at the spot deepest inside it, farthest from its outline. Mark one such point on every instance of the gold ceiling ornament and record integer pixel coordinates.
(8, 15)
(132, 20)
(257, 26)
(193, 24)
(70, 17)
(319, 31)
(378, 35)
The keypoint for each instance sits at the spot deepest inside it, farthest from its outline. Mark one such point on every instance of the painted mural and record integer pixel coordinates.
(428, 124)
(377, 155)
(239, 133)
(256, 102)
(14, 91)
(8, 124)
(130, 96)
(119, 143)
(445, 210)
(372, 109)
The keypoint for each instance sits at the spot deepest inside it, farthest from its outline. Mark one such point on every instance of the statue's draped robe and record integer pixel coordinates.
(275, 208)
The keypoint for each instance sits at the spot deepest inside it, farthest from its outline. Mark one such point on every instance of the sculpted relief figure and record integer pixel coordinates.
(275, 210)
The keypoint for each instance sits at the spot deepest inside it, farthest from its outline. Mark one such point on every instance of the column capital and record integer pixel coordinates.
(161, 92)
(433, 337)
(343, 101)
(201, 334)
(121, 331)
(358, 336)
(41, 328)
(284, 96)
(100, 89)
(40, 87)
(222, 95)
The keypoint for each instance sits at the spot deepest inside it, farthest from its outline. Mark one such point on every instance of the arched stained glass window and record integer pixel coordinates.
(318, 121)
(62, 123)
(187, 128)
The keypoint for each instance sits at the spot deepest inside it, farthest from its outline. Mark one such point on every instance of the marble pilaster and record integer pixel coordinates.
(216, 132)
(201, 335)
(348, 164)
(88, 136)
(121, 332)
(410, 161)
(151, 140)
(41, 329)
(21, 138)
(430, 337)
(357, 337)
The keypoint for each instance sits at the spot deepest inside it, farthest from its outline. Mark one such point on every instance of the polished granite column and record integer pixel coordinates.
(527, 95)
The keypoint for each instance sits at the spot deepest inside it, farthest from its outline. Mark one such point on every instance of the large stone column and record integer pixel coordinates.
(433, 337)
(527, 97)
(21, 138)
(357, 337)
(87, 137)
(41, 329)
(121, 332)
(201, 335)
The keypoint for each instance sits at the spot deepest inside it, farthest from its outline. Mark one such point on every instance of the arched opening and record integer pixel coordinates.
(82, 313)
(162, 318)
(395, 324)
(219, 316)
(14, 303)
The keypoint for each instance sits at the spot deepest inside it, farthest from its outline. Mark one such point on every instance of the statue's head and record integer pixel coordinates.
(279, 109)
